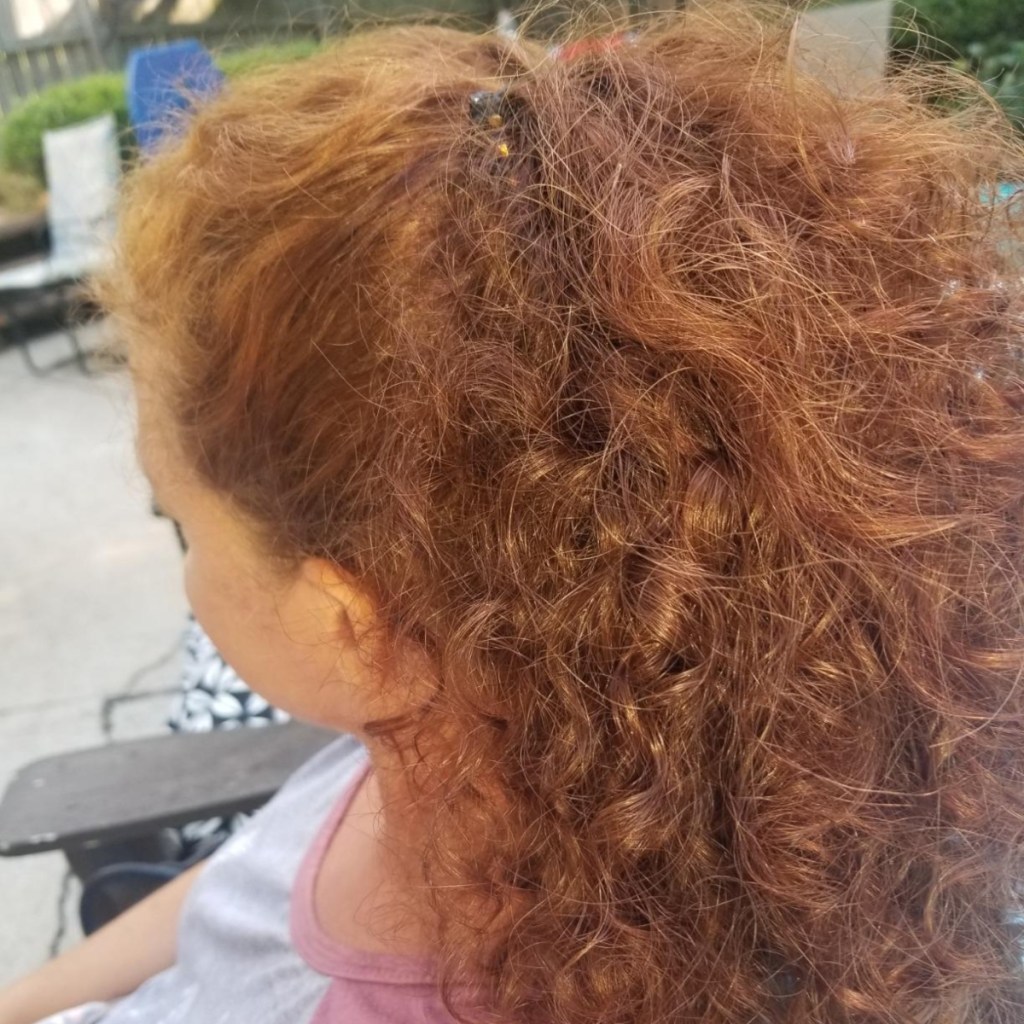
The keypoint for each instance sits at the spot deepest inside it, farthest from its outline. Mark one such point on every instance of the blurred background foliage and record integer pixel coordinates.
(984, 37)
(21, 131)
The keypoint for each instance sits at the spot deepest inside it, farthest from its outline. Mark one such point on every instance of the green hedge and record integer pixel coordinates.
(1000, 66)
(21, 132)
(960, 24)
(984, 37)
(241, 62)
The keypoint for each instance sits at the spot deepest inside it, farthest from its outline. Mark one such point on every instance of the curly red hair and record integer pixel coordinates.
(687, 440)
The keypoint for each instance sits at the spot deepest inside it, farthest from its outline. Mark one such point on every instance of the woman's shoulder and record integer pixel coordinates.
(276, 838)
(328, 770)
(287, 824)
(236, 920)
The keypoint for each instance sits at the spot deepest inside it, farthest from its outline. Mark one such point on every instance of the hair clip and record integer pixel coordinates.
(487, 107)
(490, 109)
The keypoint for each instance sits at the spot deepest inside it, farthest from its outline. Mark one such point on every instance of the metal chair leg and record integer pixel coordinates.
(17, 336)
(22, 341)
(81, 356)
(78, 355)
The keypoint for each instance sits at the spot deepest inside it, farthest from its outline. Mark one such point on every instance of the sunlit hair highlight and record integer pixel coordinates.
(687, 441)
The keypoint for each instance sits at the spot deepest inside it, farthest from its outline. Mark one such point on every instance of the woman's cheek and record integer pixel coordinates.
(194, 591)
(207, 604)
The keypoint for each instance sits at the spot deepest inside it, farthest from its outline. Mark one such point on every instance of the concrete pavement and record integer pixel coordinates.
(91, 607)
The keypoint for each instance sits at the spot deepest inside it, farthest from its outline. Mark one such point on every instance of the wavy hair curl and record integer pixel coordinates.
(687, 439)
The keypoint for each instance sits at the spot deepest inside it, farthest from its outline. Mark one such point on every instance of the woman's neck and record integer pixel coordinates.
(370, 893)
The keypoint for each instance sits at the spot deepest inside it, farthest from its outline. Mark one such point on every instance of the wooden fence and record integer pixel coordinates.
(32, 68)
(36, 65)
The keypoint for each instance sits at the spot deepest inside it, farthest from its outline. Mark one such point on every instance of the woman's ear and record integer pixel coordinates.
(387, 681)
(351, 614)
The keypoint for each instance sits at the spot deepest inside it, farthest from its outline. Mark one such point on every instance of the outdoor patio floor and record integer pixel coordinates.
(91, 606)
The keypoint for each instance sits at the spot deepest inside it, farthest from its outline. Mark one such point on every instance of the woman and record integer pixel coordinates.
(626, 449)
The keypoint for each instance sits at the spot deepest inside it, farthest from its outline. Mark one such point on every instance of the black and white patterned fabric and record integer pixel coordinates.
(213, 697)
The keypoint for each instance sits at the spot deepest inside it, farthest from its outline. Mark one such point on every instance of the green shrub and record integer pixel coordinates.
(1001, 70)
(957, 24)
(241, 62)
(983, 37)
(21, 132)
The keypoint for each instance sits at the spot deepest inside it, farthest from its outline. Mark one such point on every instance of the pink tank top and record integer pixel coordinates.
(365, 988)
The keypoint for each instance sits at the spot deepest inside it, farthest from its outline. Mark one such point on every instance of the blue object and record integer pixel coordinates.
(1004, 192)
(162, 82)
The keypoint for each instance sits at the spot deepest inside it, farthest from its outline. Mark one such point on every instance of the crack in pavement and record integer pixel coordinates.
(62, 922)
(128, 690)
(111, 704)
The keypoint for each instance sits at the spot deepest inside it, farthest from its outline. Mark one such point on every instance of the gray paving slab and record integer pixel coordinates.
(143, 713)
(87, 574)
(31, 888)
(91, 606)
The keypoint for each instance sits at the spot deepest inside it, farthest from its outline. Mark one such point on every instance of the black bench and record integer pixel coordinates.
(109, 804)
